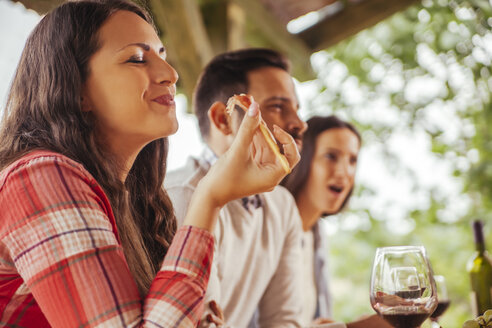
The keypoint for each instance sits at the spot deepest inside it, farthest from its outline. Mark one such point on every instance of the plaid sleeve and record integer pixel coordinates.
(60, 235)
(177, 294)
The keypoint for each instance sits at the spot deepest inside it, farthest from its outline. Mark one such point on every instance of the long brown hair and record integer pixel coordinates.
(43, 111)
(296, 180)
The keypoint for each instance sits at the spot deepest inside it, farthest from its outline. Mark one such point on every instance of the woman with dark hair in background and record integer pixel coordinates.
(87, 234)
(322, 184)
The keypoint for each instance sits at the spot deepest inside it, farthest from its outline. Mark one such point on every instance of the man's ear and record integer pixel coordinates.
(217, 114)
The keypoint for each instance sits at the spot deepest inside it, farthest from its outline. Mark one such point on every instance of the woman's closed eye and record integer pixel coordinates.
(136, 59)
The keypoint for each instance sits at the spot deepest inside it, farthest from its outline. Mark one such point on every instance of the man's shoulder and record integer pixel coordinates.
(279, 196)
(281, 207)
(180, 185)
(186, 176)
(277, 201)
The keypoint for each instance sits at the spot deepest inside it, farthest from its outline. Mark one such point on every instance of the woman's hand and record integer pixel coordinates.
(218, 315)
(248, 167)
(320, 321)
(371, 321)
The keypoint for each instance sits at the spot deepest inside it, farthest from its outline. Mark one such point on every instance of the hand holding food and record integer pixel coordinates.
(251, 165)
(244, 101)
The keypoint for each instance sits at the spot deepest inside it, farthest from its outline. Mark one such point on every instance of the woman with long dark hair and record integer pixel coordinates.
(87, 234)
(322, 184)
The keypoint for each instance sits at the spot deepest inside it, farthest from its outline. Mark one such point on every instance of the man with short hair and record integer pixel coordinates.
(257, 239)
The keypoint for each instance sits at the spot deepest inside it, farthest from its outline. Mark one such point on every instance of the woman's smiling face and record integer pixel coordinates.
(130, 88)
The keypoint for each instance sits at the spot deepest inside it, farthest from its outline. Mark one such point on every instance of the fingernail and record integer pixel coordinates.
(253, 109)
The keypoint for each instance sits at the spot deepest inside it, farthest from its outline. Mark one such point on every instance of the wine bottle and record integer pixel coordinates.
(480, 271)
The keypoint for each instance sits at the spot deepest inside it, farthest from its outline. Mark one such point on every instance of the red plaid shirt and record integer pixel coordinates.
(61, 262)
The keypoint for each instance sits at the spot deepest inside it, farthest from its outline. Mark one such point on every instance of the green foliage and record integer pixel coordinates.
(425, 74)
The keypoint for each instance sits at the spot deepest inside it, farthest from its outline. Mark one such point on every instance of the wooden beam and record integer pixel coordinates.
(187, 40)
(214, 15)
(236, 21)
(280, 39)
(40, 6)
(349, 21)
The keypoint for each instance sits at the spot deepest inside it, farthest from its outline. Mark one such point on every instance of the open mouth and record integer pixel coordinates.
(336, 189)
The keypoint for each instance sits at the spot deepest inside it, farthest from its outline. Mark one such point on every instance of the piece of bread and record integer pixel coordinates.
(244, 101)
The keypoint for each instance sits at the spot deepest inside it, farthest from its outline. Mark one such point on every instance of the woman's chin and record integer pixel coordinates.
(333, 209)
(176, 127)
(171, 128)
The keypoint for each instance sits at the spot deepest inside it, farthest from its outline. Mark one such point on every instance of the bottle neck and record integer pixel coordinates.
(478, 236)
(480, 247)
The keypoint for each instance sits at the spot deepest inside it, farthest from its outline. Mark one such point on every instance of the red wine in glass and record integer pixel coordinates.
(403, 291)
(405, 320)
(442, 296)
(442, 306)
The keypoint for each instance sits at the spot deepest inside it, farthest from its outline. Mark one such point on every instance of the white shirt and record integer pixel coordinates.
(309, 293)
(257, 253)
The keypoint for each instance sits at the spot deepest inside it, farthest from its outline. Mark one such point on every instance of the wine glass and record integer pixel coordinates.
(443, 300)
(403, 290)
